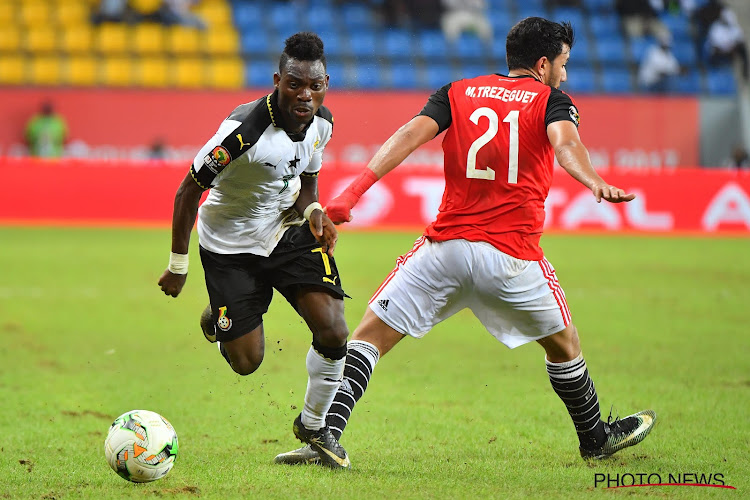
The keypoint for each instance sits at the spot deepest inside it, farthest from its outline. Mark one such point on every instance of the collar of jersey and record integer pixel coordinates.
(277, 119)
(519, 76)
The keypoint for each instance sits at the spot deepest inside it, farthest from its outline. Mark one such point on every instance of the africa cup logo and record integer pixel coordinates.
(221, 156)
(224, 322)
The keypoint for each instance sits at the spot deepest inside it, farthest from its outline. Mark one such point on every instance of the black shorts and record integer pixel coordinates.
(240, 286)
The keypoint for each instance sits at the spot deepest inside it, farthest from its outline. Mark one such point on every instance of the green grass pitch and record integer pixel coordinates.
(87, 335)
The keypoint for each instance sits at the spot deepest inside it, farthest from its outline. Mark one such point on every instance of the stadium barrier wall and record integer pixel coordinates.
(84, 192)
(644, 132)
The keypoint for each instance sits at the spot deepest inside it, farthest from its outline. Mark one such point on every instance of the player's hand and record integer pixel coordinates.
(339, 209)
(324, 231)
(612, 194)
(171, 284)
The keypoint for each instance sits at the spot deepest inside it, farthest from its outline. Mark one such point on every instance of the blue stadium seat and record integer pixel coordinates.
(247, 15)
(367, 76)
(254, 42)
(259, 73)
(678, 25)
(684, 51)
(571, 14)
(582, 53)
(638, 47)
(689, 83)
(362, 44)
(355, 16)
(438, 74)
(332, 43)
(616, 81)
(610, 50)
(497, 50)
(599, 5)
(397, 43)
(433, 45)
(470, 70)
(581, 80)
(338, 73)
(470, 47)
(604, 25)
(281, 15)
(321, 18)
(501, 23)
(721, 81)
(531, 8)
(404, 76)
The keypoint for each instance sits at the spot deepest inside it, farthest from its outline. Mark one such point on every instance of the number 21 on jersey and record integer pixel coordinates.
(472, 172)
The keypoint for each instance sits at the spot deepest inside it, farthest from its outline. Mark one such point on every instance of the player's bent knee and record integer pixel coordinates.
(244, 365)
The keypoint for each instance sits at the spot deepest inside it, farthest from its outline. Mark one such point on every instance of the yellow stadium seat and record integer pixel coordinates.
(226, 73)
(145, 6)
(221, 42)
(8, 13)
(82, 70)
(45, 70)
(188, 73)
(72, 13)
(10, 38)
(77, 39)
(117, 72)
(41, 39)
(182, 40)
(153, 72)
(12, 70)
(214, 14)
(112, 39)
(148, 38)
(35, 12)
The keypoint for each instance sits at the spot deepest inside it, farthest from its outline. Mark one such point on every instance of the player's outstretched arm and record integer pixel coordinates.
(406, 139)
(186, 203)
(574, 158)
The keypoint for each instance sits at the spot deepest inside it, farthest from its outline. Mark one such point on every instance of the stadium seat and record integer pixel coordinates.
(82, 70)
(112, 39)
(153, 72)
(148, 38)
(12, 70)
(684, 51)
(616, 81)
(638, 47)
(10, 38)
(145, 7)
(438, 74)
(216, 15)
(283, 16)
(255, 43)
(338, 73)
(678, 25)
(332, 42)
(362, 44)
(472, 69)
(470, 47)
(45, 71)
(188, 73)
(225, 73)
(404, 76)
(247, 15)
(721, 81)
(581, 80)
(433, 45)
(34, 13)
(117, 71)
(182, 40)
(497, 51)
(71, 14)
(259, 73)
(322, 18)
(609, 50)
(604, 25)
(41, 39)
(599, 5)
(77, 39)
(571, 14)
(689, 83)
(397, 43)
(531, 8)
(220, 42)
(501, 23)
(356, 16)
(367, 76)
(8, 14)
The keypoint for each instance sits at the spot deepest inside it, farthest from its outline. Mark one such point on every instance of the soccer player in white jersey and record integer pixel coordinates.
(482, 252)
(262, 228)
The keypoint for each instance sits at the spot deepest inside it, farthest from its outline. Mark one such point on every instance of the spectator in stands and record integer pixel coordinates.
(725, 39)
(466, 15)
(178, 12)
(740, 158)
(114, 11)
(640, 17)
(158, 149)
(658, 65)
(46, 133)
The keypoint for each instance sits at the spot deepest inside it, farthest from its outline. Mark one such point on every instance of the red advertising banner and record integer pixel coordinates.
(121, 124)
(142, 193)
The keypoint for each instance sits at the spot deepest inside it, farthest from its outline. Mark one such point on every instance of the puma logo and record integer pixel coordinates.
(242, 144)
(329, 280)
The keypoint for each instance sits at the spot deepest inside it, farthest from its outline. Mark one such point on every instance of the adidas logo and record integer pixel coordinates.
(383, 304)
(346, 387)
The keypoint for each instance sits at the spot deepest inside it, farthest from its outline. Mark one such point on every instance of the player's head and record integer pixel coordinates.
(302, 80)
(541, 47)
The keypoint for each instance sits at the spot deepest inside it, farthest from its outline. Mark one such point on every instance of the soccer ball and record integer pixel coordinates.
(141, 446)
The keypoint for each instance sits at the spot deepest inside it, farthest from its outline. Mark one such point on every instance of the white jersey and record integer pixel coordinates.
(252, 167)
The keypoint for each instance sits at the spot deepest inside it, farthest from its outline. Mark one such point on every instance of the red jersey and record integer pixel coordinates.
(498, 160)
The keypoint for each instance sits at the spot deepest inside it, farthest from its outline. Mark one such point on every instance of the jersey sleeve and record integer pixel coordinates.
(215, 155)
(560, 107)
(438, 108)
(326, 127)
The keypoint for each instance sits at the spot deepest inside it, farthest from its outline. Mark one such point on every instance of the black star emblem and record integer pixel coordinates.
(293, 163)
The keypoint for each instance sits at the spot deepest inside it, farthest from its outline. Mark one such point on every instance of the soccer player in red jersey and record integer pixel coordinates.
(482, 252)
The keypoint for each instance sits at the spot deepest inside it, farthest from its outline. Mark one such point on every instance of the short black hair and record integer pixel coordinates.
(534, 37)
(303, 46)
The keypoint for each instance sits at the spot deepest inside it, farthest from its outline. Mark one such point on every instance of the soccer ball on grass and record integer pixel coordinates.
(141, 446)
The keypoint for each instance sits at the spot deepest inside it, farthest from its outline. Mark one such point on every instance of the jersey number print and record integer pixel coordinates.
(472, 172)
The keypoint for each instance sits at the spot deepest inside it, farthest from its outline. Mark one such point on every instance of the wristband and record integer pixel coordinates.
(178, 263)
(310, 208)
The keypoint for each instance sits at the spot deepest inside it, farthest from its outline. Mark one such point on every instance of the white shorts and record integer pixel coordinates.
(517, 301)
